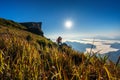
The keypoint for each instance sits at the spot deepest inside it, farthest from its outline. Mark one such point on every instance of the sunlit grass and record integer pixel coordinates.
(40, 59)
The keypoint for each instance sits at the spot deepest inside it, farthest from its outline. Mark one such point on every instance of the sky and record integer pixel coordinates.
(91, 18)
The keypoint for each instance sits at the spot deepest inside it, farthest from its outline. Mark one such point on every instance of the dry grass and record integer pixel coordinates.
(40, 59)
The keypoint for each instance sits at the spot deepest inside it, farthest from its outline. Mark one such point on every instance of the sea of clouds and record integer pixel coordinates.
(102, 46)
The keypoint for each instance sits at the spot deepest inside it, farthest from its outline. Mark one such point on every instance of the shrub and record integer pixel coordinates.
(29, 38)
(2, 44)
(42, 43)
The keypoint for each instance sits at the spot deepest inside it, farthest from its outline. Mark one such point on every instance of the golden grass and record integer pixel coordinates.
(40, 59)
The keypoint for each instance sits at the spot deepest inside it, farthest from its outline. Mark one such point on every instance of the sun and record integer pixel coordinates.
(68, 24)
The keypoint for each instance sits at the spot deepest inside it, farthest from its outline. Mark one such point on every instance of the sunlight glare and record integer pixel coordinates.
(68, 24)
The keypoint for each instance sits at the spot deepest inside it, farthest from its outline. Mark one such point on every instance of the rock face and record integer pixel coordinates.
(34, 27)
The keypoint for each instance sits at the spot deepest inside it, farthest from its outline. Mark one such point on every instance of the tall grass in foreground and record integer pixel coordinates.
(24, 60)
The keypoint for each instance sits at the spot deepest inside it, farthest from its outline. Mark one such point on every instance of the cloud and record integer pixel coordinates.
(103, 43)
(102, 46)
(80, 46)
(78, 36)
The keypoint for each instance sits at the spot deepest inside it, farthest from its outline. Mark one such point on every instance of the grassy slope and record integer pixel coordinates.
(24, 55)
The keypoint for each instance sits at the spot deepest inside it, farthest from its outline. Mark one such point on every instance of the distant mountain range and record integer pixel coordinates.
(113, 55)
(115, 45)
(80, 46)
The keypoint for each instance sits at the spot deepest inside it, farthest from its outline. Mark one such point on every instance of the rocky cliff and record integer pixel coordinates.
(34, 27)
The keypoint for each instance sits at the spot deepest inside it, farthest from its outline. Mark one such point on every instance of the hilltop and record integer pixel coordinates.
(33, 27)
(25, 53)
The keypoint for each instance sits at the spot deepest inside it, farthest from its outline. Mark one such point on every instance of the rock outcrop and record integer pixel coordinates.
(34, 27)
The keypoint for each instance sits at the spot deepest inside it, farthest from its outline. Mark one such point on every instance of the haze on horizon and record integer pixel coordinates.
(91, 18)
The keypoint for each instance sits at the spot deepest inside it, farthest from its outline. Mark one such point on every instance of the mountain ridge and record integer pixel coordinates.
(34, 27)
(113, 55)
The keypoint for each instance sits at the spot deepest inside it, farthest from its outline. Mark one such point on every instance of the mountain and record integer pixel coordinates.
(26, 55)
(28, 31)
(34, 27)
(113, 55)
(80, 46)
(10, 24)
(115, 45)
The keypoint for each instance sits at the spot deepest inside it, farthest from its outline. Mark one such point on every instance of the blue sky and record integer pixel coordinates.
(91, 18)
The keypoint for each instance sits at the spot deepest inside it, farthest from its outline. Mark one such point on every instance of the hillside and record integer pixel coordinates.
(10, 24)
(25, 55)
(33, 27)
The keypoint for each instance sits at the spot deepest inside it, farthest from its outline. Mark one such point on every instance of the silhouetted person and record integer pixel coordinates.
(59, 40)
